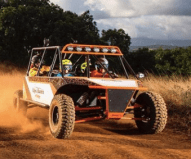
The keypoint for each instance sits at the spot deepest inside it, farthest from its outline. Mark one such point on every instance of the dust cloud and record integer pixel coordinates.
(9, 83)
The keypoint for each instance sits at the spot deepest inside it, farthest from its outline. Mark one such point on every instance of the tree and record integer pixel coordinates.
(142, 60)
(24, 24)
(81, 28)
(118, 38)
(174, 61)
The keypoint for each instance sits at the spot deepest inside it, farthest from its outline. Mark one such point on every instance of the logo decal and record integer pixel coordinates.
(37, 90)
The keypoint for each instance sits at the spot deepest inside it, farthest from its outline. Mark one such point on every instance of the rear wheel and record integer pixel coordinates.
(19, 105)
(62, 116)
(153, 113)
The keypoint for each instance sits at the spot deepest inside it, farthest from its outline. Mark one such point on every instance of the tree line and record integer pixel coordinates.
(162, 61)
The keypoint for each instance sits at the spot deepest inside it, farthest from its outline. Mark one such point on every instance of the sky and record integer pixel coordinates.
(155, 19)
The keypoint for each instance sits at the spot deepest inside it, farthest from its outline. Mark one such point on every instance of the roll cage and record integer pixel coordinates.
(83, 51)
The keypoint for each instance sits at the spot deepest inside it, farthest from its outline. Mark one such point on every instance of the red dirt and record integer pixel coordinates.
(30, 138)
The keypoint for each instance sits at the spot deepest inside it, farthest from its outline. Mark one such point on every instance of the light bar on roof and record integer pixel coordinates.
(92, 49)
(96, 49)
(113, 50)
(87, 49)
(105, 50)
(78, 48)
(70, 48)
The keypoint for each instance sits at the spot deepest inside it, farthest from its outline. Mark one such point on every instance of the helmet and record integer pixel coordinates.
(84, 65)
(35, 60)
(103, 61)
(67, 64)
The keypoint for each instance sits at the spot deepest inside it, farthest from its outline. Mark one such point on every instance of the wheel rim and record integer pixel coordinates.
(55, 115)
(146, 111)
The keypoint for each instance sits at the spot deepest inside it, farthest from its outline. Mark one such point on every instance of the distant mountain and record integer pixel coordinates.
(153, 47)
(156, 43)
(147, 42)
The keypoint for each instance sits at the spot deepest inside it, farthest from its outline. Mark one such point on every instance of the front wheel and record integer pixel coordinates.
(61, 116)
(153, 113)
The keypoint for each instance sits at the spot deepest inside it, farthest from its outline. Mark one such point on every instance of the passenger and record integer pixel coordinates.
(84, 65)
(67, 67)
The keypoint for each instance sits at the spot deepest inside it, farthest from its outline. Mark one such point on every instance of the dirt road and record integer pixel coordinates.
(30, 138)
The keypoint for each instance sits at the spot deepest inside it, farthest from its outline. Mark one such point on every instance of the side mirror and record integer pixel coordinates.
(140, 75)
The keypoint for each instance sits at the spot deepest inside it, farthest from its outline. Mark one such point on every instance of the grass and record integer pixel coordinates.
(176, 91)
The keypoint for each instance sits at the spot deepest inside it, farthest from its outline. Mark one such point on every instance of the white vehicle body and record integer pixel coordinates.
(43, 92)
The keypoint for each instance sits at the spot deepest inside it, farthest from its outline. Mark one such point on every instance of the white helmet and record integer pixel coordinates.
(103, 61)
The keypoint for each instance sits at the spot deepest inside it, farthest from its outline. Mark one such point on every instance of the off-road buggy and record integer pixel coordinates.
(81, 97)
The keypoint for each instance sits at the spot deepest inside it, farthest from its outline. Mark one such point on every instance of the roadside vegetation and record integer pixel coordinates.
(176, 91)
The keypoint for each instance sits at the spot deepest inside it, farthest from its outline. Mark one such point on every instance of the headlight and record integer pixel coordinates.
(87, 49)
(78, 48)
(70, 48)
(113, 50)
(96, 49)
(105, 50)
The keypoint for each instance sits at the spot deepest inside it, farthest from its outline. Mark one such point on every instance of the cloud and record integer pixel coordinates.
(136, 8)
(156, 27)
(103, 9)
(157, 19)
(76, 6)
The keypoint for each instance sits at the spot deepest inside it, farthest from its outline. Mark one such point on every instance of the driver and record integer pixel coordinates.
(35, 63)
(99, 70)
